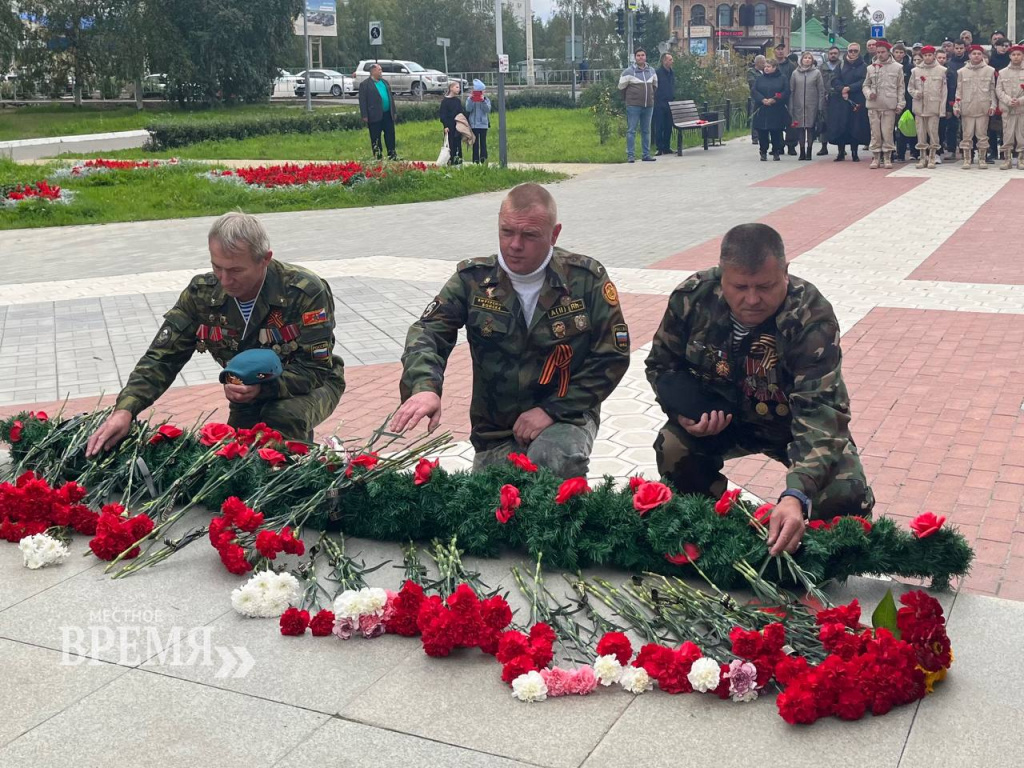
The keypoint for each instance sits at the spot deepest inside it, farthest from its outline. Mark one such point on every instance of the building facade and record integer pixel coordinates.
(750, 27)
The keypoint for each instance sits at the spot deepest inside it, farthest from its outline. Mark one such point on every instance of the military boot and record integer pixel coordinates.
(922, 160)
(931, 158)
(967, 161)
(887, 159)
(1020, 161)
(1008, 162)
(874, 160)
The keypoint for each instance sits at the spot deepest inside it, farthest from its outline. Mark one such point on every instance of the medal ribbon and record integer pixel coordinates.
(559, 359)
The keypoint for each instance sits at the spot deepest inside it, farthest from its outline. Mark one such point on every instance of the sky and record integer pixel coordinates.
(542, 8)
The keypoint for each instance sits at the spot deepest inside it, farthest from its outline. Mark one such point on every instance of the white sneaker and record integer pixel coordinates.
(938, 160)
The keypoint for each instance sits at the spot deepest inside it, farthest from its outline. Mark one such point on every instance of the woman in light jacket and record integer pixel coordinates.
(806, 102)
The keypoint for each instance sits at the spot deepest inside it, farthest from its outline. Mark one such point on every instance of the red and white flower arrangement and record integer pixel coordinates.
(266, 595)
(365, 611)
(83, 168)
(38, 190)
(41, 550)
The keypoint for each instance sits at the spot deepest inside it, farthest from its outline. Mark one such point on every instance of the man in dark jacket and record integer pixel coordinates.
(377, 107)
(829, 69)
(847, 116)
(954, 65)
(662, 111)
(999, 59)
(785, 66)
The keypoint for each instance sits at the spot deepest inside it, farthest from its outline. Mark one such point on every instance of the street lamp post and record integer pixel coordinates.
(500, 45)
(309, 63)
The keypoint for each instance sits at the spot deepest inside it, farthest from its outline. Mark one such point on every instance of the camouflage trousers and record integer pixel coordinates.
(293, 417)
(564, 449)
(694, 465)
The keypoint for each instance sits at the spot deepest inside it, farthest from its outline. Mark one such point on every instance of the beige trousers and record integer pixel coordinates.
(1013, 131)
(973, 128)
(883, 123)
(927, 132)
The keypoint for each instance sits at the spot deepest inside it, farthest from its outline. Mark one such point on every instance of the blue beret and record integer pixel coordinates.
(253, 366)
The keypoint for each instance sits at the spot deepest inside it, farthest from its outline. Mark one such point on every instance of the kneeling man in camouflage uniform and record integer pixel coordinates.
(759, 353)
(547, 339)
(248, 301)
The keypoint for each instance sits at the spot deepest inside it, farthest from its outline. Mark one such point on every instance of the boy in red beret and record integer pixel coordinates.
(1010, 92)
(974, 104)
(927, 89)
(885, 92)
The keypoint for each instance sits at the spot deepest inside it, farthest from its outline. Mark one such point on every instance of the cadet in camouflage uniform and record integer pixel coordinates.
(292, 312)
(537, 384)
(768, 344)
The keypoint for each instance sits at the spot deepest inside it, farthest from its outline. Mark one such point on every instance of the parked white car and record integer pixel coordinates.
(404, 76)
(322, 81)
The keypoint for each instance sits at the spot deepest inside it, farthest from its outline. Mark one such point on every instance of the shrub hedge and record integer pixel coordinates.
(170, 134)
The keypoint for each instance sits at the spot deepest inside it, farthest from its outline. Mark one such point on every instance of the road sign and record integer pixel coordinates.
(444, 42)
(878, 17)
(503, 63)
(877, 31)
(375, 33)
(573, 52)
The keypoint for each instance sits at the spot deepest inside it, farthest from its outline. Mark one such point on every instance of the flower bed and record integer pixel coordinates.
(39, 190)
(312, 174)
(80, 169)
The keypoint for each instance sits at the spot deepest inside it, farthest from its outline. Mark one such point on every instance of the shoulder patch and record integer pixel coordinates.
(691, 284)
(610, 293)
(582, 262)
(203, 280)
(480, 261)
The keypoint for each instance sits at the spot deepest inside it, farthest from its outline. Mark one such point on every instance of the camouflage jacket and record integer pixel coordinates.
(293, 315)
(785, 380)
(567, 361)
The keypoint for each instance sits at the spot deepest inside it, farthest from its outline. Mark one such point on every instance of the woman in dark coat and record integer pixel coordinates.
(771, 94)
(451, 107)
(847, 113)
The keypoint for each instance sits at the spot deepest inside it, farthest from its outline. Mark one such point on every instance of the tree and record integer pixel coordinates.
(128, 31)
(929, 21)
(655, 33)
(858, 22)
(12, 30)
(64, 34)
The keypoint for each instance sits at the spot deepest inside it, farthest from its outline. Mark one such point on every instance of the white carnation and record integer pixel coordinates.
(635, 680)
(530, 687)
(352, 604)
(704, 675)
(374, 600)
(607, 669)
(347, 604)
(40, 550)
(266, 595)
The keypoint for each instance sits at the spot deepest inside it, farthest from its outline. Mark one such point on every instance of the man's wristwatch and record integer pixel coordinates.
(805, 503)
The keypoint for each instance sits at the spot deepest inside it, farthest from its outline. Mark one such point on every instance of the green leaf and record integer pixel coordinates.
(885, 615)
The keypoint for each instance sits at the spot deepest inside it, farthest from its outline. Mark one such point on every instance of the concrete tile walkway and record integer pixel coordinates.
(933, 359)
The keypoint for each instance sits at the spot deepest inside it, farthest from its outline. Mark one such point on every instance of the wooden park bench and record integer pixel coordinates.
(685, 117)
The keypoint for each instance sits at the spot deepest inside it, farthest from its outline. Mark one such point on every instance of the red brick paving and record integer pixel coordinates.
(936, 399)
(814, 218)
(980, 251)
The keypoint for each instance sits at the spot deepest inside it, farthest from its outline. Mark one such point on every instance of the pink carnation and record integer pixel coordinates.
(584, 681)
(344, 627)
(559, 681)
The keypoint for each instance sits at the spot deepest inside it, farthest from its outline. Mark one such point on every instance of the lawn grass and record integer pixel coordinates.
(180, 192)
(534, 136)
(66, 120)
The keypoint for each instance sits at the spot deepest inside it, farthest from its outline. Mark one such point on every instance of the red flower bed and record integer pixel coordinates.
(40, 189)
(292, 175)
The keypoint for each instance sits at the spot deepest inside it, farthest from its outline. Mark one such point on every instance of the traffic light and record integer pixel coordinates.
(620, 22)
(825, 24)
(641, 23)
(841, 25)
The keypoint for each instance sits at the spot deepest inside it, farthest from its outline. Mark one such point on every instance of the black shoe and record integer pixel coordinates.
(792, 151)
(990, 160)
(803, 154)
(764, 156)
(854, 156)
(776, 158)
(823, 152)
(648, 159)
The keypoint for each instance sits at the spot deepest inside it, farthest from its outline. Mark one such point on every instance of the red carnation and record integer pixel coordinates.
(294, 622)
(233, 451)
(926, 524)
(923, 78)
(165, 432)
(322, 624)
(778, 95)
(424, 469)
(847, 615)
(296, 448)
(520, 665)
(615, 644)
(211, 434)
(39, 416)
(364, 461)
(272, 457)
(574, 486)
(724, 504)
(763, 513)
(233, 557)
(510, 502)
(522, 461)
(290, 544)
(16, 428)
(651, 495)
(690, 554)
(635, 482)
(268, 544)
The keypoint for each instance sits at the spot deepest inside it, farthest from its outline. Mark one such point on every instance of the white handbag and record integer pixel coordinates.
(445, 155)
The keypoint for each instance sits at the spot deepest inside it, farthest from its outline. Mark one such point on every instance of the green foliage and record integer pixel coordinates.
(597, 528)
(884, 615)
(929, 21)
(607, 108)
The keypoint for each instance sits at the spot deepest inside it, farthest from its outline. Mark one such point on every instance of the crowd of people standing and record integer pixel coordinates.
(896, 101)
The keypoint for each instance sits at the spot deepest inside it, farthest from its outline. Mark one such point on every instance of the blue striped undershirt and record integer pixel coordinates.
(245, 307)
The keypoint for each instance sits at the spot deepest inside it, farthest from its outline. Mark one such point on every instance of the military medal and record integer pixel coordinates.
(762, 409)
(566, 301)
(489, 291)
(782, 409)
(581, 322)
(558, 329)
(200, 346)
(488, 328)
(723, 369)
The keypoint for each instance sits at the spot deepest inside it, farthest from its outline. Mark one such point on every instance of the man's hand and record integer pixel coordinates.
(241, 393)
(991, 112)
(710, 424)
(110, 434)
(530, 424)
(871, 96)
(786, 527)
(846, 90)
(415, 409)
